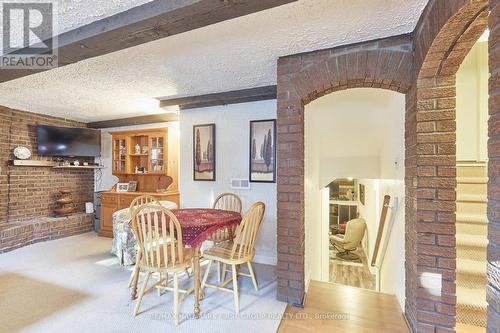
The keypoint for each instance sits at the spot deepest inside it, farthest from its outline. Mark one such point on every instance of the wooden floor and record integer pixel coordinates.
(335, 308)
(351, 274)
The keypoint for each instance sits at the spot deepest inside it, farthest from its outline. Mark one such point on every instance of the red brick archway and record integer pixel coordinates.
(432, 159)
(432, 54)
(302, 78)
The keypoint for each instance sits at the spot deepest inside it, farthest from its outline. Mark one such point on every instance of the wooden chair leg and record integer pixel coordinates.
(132, 275)
(219, 273)
(235, 290)
(135, 274)
(141, 293)
(136, 267)
(253, 276)
(206, 274)
(224, 270)
(158, 290)
(176, 298)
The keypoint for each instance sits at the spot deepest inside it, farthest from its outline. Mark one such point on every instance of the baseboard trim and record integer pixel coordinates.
(410, 328)
(300, 305)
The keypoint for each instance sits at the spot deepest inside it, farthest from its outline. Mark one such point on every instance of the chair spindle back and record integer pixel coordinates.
(246, 233)
(142, 200)
(159, 236)
(228, 201)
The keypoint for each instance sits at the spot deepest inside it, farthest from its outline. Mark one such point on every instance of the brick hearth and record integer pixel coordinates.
(19, 234)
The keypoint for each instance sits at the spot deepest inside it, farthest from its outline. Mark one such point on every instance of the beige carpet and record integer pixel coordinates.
(75, 285)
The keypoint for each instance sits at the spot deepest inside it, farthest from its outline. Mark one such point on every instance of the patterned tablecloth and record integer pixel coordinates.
(197, 225)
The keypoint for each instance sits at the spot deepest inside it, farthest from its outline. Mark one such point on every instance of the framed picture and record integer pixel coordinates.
(132, 186)
(122, 187)
(204, 152)
(362, 193)
(263, 151)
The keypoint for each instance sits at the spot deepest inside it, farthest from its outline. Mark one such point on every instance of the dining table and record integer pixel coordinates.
(198, 225)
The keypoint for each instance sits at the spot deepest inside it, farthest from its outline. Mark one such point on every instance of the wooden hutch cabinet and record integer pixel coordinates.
(149, 157)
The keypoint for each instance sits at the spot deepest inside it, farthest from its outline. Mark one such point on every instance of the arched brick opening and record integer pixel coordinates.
(386, 64)
(434, 173)
(443, 37)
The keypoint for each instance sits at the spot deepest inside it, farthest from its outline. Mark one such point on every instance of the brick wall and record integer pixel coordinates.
(386, 64)
(27, 192)
(443, 38)
(493, 292)
(411, 256)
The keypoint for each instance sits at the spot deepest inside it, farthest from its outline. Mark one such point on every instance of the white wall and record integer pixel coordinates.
(347, 134)
(391, 258)
(356, 133)
(106, 180)
(472, 105)
(232, 148)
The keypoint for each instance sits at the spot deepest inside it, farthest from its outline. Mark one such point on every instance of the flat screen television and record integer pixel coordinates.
(68, 141)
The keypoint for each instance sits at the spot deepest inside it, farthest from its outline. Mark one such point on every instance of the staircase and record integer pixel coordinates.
(472, 226)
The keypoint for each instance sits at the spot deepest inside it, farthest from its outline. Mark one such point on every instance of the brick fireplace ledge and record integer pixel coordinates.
(18, 234)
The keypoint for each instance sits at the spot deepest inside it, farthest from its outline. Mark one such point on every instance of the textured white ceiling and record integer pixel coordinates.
(234, 54)
(76, 13)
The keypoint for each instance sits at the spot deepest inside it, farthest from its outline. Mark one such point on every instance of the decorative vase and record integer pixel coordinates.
(66, 203)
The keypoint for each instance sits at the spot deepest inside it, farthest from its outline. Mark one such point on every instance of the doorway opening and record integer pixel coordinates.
(354, 153)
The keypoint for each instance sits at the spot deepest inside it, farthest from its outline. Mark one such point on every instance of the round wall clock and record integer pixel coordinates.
(22, 153)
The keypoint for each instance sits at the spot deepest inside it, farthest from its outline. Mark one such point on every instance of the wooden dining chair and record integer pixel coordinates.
(159, 237)
(145, 199)
(239, 251)
(134, 205)
(230, 202)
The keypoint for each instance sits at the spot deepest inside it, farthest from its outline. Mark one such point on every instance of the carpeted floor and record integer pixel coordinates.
(75, 285)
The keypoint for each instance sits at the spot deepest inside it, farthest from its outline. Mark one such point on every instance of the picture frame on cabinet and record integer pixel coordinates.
(122, 187)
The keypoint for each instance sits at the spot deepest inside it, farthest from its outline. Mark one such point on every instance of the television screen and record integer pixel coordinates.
(68, 141)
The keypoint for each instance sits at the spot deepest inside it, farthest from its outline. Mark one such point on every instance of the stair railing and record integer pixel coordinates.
(380, 232)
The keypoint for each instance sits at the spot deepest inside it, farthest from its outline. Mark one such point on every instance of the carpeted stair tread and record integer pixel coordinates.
(474, 298)
(469, 266)
(472, 180)
(471, 240)
(472, 218)
(472, 197)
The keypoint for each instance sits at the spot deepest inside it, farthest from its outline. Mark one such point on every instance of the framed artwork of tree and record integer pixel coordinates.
(263, 151)
(204, 152)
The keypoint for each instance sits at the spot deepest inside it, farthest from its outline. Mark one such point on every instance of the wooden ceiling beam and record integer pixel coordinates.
(221, 98)
(191, 102)
(151, 21)
(132, 121)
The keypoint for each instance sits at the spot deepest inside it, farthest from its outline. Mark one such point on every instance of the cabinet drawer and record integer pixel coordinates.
(109, 199)
(125, 201)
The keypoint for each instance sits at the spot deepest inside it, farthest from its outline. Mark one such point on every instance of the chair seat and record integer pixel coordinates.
(178, 266)
(337, 238)
(222, 252)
